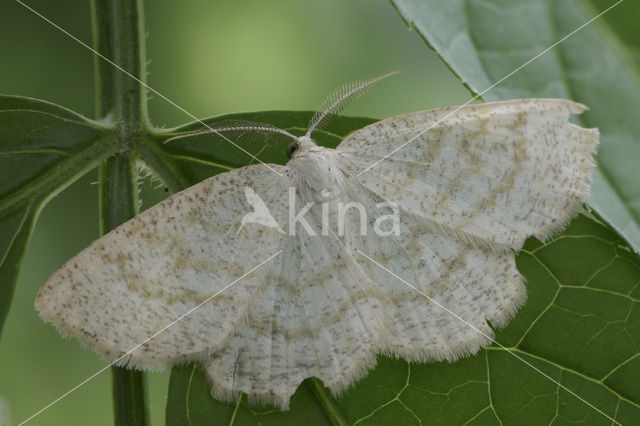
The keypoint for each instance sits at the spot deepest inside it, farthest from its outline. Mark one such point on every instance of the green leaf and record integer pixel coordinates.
(43, 148)
(483, 41)
(623, 21)
(580, 326)
(190, 403)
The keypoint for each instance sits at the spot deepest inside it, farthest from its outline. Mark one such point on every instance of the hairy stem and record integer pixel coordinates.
(118, 35)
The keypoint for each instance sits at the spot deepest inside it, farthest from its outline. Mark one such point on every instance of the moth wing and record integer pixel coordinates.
(328, 310)
(437, 292)
(319, 316)
(493, 174)
(155, 269)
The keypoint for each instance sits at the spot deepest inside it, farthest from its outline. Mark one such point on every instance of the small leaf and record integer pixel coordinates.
(43, 148)
(579, 326)
(483, 41)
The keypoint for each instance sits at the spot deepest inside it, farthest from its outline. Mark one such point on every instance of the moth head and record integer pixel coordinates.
(291, 148)
(301, 144)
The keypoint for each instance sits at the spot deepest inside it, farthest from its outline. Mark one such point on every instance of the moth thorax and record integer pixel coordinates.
(321, 176)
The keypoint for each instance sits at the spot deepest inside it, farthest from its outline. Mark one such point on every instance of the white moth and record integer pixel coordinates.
(294, 297)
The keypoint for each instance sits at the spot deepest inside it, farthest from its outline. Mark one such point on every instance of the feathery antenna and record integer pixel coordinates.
(339, 100)
(329, 108)
(240, 129)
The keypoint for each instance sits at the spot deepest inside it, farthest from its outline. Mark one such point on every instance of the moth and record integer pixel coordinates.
(269, 274)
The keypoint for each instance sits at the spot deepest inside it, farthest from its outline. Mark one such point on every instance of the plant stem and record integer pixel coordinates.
(328, 403)
(118, 203)
(118, 35)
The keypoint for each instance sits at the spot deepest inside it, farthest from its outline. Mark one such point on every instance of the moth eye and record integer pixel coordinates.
(293, 146)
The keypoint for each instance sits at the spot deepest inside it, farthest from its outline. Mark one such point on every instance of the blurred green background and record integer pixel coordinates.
(211, 58)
